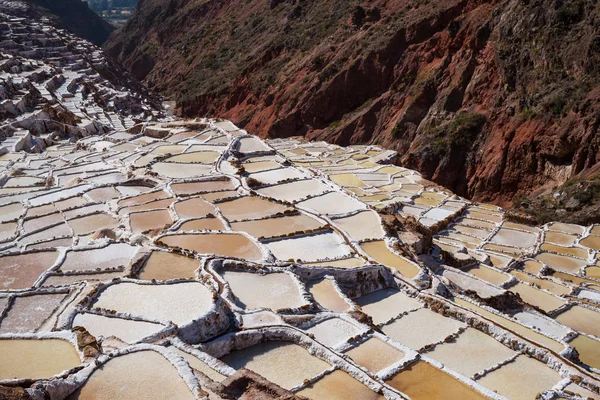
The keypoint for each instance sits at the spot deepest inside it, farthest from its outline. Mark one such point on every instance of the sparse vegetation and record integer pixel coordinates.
(459, 132)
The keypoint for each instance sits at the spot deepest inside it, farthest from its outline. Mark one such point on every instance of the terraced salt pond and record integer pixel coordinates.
(22, 270)
(339, 385)
(589, 350)
(280, 226)
(202, 262)
(327, 296)
(310, 248)
(162, 265)
(250, 208)
(129, 331)
(522, 378)
(144, 300)
(470, 353)
(379, 251)
(286, 364)
(420, 328)
(34, 358)
(225, 245)
(274, 291)
(581, 319)
(154, 378)
(385, 304)
(422, 381)
(375, 355)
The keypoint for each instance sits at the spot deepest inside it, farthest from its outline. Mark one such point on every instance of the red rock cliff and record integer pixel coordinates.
(489, 98)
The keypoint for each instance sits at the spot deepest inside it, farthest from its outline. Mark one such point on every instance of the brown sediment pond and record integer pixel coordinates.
(567, 228)
(338, 385)
(193, 208)
(250, 208)
(284, 363)
(561, 263)
(162, 265)
(272, 227)
(204, 224)
(190, 188)
(593, 242)
(379, 251)
(581, 319)
(570, 251)
(589, 350)
(155, 378)
(562, 239)
(226, 245)
(488, 274)
(149, 220)
(327, 296)
(22, 270)
(347, 180)
(375, 355)
(423, 381)
(36, 358)
(91, 223)
(536, 297)
(547, 284)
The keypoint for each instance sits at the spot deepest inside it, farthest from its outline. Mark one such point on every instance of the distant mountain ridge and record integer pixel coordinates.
(77, 17)
(492, 99)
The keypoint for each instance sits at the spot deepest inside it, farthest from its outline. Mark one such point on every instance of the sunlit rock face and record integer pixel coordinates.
(159, 258)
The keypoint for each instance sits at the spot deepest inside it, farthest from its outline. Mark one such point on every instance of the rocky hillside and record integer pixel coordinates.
(492, 99)
(75, 16)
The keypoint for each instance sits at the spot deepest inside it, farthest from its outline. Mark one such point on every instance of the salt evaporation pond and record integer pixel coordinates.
(423, 381)
(339, 385)
(129, 331)
(275, 291)
(180, 302)
(272, 227)
(226, 245)
(384, 304)
(284, 363)
(36, 358)
(375, 355)
(21, 271)
(522, 378)
(379, 251)
(141, 375)
(162, 265)
(472, 352)
(420, 328)
(327, 296)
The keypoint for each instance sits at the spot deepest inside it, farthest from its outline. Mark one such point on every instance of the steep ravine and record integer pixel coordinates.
(493, 99)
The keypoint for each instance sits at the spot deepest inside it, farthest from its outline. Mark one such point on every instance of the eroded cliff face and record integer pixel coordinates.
(492, 99)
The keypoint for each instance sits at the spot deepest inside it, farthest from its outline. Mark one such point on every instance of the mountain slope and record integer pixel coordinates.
(77, 17)
(489, 98)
